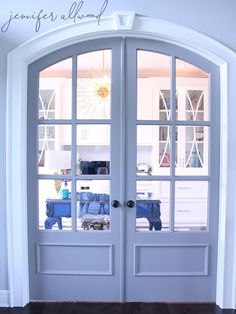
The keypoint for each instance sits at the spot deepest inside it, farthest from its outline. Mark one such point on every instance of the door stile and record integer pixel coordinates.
(123, 168)
(74, 143)
(118, 160)
(172, 145)
(131, 156)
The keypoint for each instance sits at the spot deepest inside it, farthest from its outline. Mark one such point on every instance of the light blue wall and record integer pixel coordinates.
(3, 246)
(215, 18)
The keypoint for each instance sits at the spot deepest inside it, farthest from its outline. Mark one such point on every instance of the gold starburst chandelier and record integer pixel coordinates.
(94, 91)
(102, 91)
(102, 87)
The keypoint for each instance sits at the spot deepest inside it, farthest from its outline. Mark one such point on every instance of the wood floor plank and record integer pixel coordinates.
(116, 308)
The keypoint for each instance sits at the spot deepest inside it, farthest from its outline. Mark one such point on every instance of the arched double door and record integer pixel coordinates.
(123, 173)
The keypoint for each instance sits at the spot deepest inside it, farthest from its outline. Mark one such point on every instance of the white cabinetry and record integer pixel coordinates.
(191, 145)
(145, 110)
(192, 141)
(54, 103)
(93, 134)
(58, 106)
(191, 203)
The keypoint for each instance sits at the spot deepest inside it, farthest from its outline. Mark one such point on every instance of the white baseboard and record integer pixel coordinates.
(4, 298)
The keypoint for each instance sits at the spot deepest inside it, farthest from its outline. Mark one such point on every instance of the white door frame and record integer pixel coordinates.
(117, 25)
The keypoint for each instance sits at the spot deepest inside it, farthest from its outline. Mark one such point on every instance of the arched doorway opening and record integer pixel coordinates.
(19, 59)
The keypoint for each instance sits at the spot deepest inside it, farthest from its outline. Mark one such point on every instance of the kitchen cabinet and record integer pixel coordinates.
(191, 146)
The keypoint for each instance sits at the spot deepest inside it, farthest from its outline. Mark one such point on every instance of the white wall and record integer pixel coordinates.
(215, 18)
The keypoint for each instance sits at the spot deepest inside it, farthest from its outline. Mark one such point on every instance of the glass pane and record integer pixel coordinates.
(55, 91)
(191, 150)
(54, 205)
(153, 86)
(164, 104)
(191, 205)
(94, 85)
(152, 205)
(192, 86)
(93, 149)
(54, 149)
(93, 204)
(153, 150)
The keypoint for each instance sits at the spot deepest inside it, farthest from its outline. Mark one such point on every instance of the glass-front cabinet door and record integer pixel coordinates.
(191, 102)
(122, 155)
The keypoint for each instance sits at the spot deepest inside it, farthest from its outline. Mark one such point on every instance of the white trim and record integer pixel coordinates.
(4, 298)
(124, 20)
(142, 27)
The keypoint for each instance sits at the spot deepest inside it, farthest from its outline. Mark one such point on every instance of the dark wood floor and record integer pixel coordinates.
(115, 308)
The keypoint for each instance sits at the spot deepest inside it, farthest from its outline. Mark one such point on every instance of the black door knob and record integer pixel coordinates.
(130, 204)
(115, 204)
